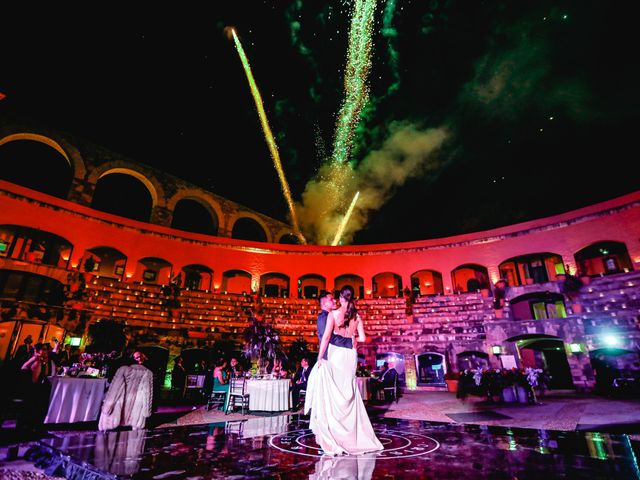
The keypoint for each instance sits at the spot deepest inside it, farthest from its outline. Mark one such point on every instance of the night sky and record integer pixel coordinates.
(539, 99)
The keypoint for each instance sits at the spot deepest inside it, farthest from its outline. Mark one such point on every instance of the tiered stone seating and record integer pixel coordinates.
(137, 304)
(612, 301)
(293, 318)
(440, 319)
(216, 312)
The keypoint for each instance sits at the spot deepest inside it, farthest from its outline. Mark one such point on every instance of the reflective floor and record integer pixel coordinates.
(283, 447)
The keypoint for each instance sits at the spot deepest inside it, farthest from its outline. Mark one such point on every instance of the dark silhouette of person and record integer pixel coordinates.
(300, 382)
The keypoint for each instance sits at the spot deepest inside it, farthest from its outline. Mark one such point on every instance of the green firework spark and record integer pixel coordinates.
(355, 81)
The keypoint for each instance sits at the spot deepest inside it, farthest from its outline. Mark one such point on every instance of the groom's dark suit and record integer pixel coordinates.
(336, 340)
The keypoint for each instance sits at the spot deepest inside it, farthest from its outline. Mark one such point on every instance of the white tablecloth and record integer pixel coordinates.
(363, 386)
(75, 399)
(269, 395)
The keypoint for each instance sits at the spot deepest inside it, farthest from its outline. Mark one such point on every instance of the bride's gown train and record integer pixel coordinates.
(338, 418)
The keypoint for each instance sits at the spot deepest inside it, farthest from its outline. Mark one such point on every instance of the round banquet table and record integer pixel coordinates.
(269, 395)
(75, 399)
(363, 386)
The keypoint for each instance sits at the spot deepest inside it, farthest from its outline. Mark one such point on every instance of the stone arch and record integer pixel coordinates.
(470, 277)
(69, 152)
(105, 261)
(288, 238)
(193, 215)
(37, 162)
(138, 204)
(34, 245)
(356, 282)
(387, 284)
(274, 284)
(426, 282)
(148, 180)
(603, 257)
(538, 306)
(207, 201)
(236, 281)
(310, 285)
(531, 268)
(251, 217)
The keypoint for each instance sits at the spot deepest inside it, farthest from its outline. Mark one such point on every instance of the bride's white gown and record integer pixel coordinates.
(338, 417)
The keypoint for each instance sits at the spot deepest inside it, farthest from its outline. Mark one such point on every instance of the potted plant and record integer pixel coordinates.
(571, 288)
(262, 343)
(451, 379)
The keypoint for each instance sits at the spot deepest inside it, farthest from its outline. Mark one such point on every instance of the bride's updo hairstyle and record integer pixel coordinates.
(347, 294)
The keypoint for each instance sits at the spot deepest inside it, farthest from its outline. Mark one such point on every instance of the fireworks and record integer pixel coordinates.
(271, 143)
(345, 220)
(355, 80)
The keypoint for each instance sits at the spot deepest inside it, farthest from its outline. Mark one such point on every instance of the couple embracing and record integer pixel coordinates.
(338, 418)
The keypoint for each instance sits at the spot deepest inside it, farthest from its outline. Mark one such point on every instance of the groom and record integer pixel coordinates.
(327, 304)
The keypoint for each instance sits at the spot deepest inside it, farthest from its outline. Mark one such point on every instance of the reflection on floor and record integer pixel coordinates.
(283, 447)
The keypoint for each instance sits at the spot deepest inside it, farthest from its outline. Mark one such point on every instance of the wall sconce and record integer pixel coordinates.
(129, 274)
(575, 348)
(496, 349)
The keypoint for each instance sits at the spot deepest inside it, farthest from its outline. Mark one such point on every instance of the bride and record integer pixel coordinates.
(338, 417)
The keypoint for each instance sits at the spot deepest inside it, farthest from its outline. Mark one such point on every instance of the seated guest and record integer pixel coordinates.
(276, 370)
(220, 378)
(362, 370)
(178, 378)
(300, 382)
(24, 351)
(387, 378)
(235, 370)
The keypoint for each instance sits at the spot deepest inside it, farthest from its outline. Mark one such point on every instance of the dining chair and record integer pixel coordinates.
(237, 391)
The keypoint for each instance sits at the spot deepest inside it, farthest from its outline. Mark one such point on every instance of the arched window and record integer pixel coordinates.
(247, 228)
(274, 285)
(123, 195)
(603, 258)
(431, 368)
(236, 281)
(105, 261)
(290, 239)
(35, 246)
(470, 278)
(538, 306)
(426, 282)
(532, 268)
(355, 281)
(309, 286)
(387, 284)
(153, 270)
(197, 277)
(192, 216)
(35, 165)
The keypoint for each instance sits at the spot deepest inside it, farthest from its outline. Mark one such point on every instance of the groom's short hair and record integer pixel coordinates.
(323, 293)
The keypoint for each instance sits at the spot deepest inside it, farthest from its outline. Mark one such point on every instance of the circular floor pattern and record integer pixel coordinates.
(397, 444)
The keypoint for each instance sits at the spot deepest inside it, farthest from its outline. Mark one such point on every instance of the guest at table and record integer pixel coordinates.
(24, 351)
(387, 379)
(362, 370)
(276, 370)
(220, 379)
(178, 378)
(235, 370)
(300, 382)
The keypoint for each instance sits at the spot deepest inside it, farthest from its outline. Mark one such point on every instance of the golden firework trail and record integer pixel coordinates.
(268, 135)
(345, 220)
